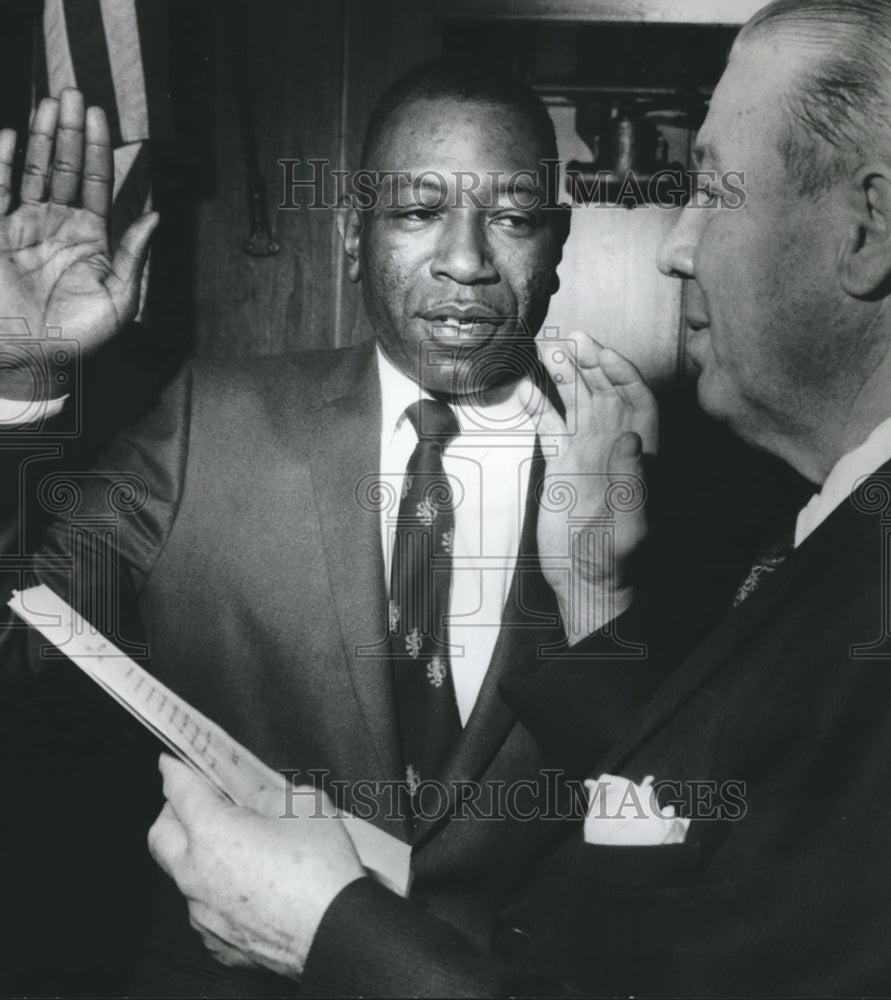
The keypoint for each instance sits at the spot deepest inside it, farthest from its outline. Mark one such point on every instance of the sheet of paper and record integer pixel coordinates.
(229, 767)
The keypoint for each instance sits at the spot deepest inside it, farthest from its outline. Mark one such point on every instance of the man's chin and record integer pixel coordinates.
(709, 399)
(462, 370)
(713, 403)
(471, 387)
(718, 405)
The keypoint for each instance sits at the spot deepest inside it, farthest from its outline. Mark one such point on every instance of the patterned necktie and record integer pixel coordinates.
(420, 584)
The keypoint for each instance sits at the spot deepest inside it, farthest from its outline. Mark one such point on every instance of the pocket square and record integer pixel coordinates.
(622, 813)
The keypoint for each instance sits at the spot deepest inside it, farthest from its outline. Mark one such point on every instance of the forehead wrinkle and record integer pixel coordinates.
(484, 189)
(739, 100)
(522, 183)
(428, 184)
(427, 122)
(811, 38)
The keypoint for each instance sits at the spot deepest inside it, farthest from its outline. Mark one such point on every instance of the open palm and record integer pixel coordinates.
(56, 268)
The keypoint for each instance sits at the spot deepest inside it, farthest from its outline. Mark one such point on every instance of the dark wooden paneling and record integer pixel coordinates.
(263, 305)
(314, 70)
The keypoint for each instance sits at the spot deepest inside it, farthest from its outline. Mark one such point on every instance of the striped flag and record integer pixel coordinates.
(116, 52)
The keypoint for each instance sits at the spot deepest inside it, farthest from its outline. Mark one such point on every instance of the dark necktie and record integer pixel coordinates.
(420, 583)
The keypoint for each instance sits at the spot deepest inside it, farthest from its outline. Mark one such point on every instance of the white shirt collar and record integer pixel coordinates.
(506, 416)
(397, 392)
(842, 480)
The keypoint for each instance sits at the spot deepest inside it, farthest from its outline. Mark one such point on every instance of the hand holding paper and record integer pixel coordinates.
(257, 886)
(223, 763)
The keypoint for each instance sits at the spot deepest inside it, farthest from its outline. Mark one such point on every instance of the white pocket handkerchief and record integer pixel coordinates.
(624, 814)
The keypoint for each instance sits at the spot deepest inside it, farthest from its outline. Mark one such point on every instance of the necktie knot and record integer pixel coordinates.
(433, 421)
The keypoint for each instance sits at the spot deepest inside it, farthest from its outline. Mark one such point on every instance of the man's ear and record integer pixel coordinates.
(350, 225)
(866, 256)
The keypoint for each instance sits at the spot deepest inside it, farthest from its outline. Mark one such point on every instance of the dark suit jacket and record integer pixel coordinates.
(239, 524)
(249, 540)
(74, 866)
(786, 892)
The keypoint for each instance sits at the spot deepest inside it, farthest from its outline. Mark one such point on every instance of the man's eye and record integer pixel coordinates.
(513, 220)
(419, 214)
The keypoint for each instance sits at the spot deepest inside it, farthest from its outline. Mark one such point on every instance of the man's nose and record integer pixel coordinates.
(675, 255)
(462, 251)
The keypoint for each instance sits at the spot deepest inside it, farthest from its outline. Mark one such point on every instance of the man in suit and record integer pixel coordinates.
(249, 545)
(759, 866)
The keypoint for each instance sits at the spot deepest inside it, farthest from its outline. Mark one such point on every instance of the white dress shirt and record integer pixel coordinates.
(846, 474)
(488, 466)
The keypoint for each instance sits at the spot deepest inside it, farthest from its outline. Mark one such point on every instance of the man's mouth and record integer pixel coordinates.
(462, 322)
(696, 323)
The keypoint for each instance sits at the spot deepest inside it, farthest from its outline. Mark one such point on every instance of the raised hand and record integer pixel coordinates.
(592, 517)
(56, 268)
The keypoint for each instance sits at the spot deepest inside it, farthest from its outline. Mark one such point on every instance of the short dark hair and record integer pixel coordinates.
(839, 109)
(460, 79)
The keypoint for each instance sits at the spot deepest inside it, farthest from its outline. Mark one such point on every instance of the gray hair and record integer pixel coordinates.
(839, 109)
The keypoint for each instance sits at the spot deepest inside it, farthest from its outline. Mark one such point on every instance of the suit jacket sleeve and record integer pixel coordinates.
(80, 776)
(374, 943)
(578, 703)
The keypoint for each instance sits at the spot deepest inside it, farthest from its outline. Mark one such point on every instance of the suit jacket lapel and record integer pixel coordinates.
(839, 532)
(344, 460)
